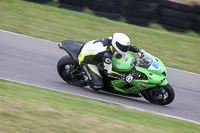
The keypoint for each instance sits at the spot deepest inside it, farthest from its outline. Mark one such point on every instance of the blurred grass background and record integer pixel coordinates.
(28, 109)
(176, 50)
(189, 2)
(49, 111)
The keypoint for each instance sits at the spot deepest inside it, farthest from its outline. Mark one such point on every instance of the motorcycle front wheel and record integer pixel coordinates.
(70, 71)
(161, 95)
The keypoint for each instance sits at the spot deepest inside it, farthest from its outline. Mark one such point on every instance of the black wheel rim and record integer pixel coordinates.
(157, 95)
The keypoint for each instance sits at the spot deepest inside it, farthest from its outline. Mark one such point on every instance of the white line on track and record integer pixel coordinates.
(98, 99)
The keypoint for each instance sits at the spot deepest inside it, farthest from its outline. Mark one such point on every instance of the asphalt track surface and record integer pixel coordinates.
(33, 61)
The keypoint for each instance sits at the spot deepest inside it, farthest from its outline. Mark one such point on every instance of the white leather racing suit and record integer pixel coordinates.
(93, 53)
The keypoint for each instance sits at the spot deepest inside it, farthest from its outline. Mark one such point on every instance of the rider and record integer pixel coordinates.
(101, 51)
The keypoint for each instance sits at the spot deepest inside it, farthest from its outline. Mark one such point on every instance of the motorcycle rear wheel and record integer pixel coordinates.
(70, 71)
(161, 95)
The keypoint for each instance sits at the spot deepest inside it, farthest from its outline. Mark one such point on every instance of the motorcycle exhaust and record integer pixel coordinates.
(60, 46)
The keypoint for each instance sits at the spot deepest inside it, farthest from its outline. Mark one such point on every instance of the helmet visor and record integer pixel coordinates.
(122, 47)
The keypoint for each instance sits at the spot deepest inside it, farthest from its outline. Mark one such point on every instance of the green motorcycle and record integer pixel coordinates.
(148, 72)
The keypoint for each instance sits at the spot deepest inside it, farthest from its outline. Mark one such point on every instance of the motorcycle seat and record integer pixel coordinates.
(73, 48)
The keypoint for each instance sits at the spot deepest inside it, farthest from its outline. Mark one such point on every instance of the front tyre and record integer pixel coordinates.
(161, 95)
(70, 71)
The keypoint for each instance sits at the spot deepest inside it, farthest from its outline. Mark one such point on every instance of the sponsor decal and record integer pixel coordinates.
(142, 85)
(124, 57)
(155, 64)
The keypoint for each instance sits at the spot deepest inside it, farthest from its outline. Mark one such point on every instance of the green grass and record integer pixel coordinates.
(189, 2)
(25, 108)
(180, 51)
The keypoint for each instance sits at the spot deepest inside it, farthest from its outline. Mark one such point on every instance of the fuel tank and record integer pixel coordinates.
(123, 63)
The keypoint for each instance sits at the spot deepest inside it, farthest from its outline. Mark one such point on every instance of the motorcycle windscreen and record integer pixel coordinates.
(148, 62)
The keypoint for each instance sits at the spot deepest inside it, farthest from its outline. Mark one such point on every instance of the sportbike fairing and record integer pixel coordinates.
(149, 66)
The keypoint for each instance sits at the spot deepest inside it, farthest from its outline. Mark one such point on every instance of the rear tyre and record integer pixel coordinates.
(70, 71)
(161, 95)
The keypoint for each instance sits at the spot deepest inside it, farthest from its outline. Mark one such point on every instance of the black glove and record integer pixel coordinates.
(136, 49)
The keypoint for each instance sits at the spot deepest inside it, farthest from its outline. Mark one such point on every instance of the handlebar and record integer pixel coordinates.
(141, 54)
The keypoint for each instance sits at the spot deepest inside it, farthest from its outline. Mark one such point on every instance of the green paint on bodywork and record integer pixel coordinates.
(125, 64)
(163, 83)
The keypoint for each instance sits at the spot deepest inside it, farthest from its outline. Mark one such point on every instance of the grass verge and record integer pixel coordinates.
(25, 108)
(42, 21)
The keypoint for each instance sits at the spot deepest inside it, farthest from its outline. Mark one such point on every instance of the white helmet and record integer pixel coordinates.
(121, 42)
